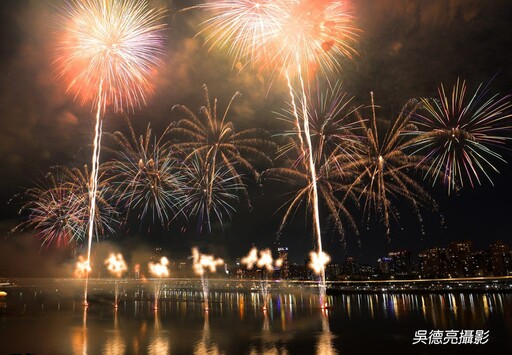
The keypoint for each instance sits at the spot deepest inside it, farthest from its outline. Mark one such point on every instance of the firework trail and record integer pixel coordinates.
(107, 51)
(202, 263)
(117, 267)
(285, 36)
(458, 136)
(159, 270)
(335, 140)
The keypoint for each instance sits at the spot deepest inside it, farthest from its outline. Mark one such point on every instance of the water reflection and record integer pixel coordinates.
(205, 345)
(159, 342)
(115, 343)
(236, 322)
(79, 336)
(324, 345)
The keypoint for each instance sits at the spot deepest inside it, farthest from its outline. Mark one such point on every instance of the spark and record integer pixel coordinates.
(264, 261)
(251, 259)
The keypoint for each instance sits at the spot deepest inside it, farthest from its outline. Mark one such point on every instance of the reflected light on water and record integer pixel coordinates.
(237, 324)
(324, 344)
(79, 336)
(205, 345)
(115, 345)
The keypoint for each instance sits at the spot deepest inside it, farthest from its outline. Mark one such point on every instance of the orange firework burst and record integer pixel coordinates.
(160, 269)
(109, 48)
(280, 34)
(318, 261)
(202, 262)
(116, 264)
(82, 268)
(264, 261)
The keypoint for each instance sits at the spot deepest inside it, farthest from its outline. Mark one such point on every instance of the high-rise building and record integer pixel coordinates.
(298, 272)
(332, 271)
(349, 267)
(385, 265)
(434, 262)
(285, 266)
(400, 262)
(482, 263)
(461, 259)
(501, 259)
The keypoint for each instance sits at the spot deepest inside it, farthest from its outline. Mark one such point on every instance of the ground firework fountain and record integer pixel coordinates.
(266, 263)
(159, 270)
(202, 263)
(82, 267)
(117, 267)
(318, 262)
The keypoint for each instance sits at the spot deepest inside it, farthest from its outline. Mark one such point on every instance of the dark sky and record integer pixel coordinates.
(406, 48)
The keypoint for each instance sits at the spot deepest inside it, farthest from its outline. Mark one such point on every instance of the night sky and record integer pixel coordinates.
(406, 48)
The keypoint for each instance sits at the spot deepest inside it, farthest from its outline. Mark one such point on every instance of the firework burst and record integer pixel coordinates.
(459, 135)
(289, 35)
(216, 138)
(211, 191)
(146, 176)
(382, 174)
(334, 140)
(82, 267)
(116, 264)
(58, 209)
(283, 33)
(107, 51)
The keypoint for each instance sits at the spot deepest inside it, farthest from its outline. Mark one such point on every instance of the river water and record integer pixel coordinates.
(47, 317)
